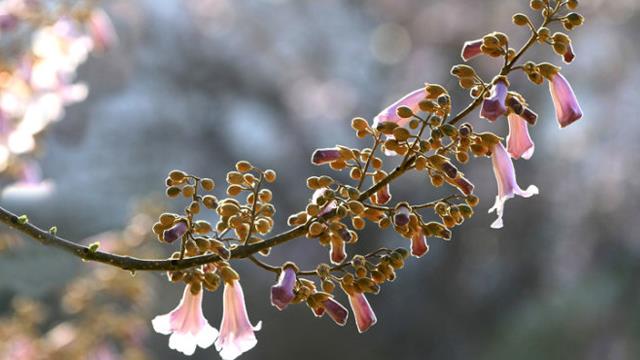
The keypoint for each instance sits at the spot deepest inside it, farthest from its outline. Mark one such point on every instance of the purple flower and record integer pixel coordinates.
(507, 185)
(461, 183)
(186, 324)
(494, 106)
(323, 156)
(175, 233)
(471, 49)
(338, 313)
(327, 207)
(382, 196)
(519, 143)
(282, 292)
(567, 107)
(529, 116)
(569, 55)
(236, 332)
(419, 244)
(362, 311)
(401, 216)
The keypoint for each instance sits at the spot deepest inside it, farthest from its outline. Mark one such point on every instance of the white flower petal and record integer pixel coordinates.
(185, 343)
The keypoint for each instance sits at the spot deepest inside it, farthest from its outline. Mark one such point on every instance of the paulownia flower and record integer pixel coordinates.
(338, 313)
(236, 332)
(419, 244)
(519, 143)
(411, 100)
(323, 156)
(471, 49)
(567, 108)
(327, 207)
(175, 232)
(186, 324)
(282, 292)
(101, 30)
(362, 311)
(494, 106)
(507, 185)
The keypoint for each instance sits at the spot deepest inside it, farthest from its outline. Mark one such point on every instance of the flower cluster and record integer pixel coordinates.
(37, 80)
(418, 130)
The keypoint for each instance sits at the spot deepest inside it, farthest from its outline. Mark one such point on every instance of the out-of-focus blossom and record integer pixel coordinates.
(564, 99)
(29, 185)
(471, 49)
(101, 30)
(323, 156)
(519, 143)
(186, 324)
(507, 185)
(362, 311)
(282, 292)
(494, 106)
(237, 335)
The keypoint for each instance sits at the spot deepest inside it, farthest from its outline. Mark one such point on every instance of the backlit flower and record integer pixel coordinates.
(507, 185)
(338, 313)
(323, 156)
(567, 108)
(471, 49)
(186, 324)
(282, 292)
(362, 311)
(411, 100)
(519, 143)
(236, 332)
(419, 244)
(174, 233)
(494, 106)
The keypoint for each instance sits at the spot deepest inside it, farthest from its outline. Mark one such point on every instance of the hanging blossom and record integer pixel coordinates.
(564, 99)
(494, 106)
(507, 185)
(237, 335)
(282, 293)
(519, 143)
(186, 324)
(362, 311)
(338, 313)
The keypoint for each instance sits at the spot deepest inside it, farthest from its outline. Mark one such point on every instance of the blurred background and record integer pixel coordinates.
(200, 84)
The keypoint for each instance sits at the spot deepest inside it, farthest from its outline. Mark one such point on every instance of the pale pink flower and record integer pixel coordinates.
(101, 30)
(362, 311)
(519, 143)
(507, 185)
(567, 108)
(282, 292)
(494, 106)
(186, 324)
(471, 49)
(236, 332)
(411, 100)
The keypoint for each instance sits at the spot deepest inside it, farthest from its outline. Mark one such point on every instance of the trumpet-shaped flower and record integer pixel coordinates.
(471, 49)
(174, 233)
(567, 108)
(411, 100)
(237, 335)
(362, 311)
(338, 313)
(419, 244)
(186, 324)
(519, 143)
(494, 106)
(507, 185)
(323, 156)
(282, 292)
